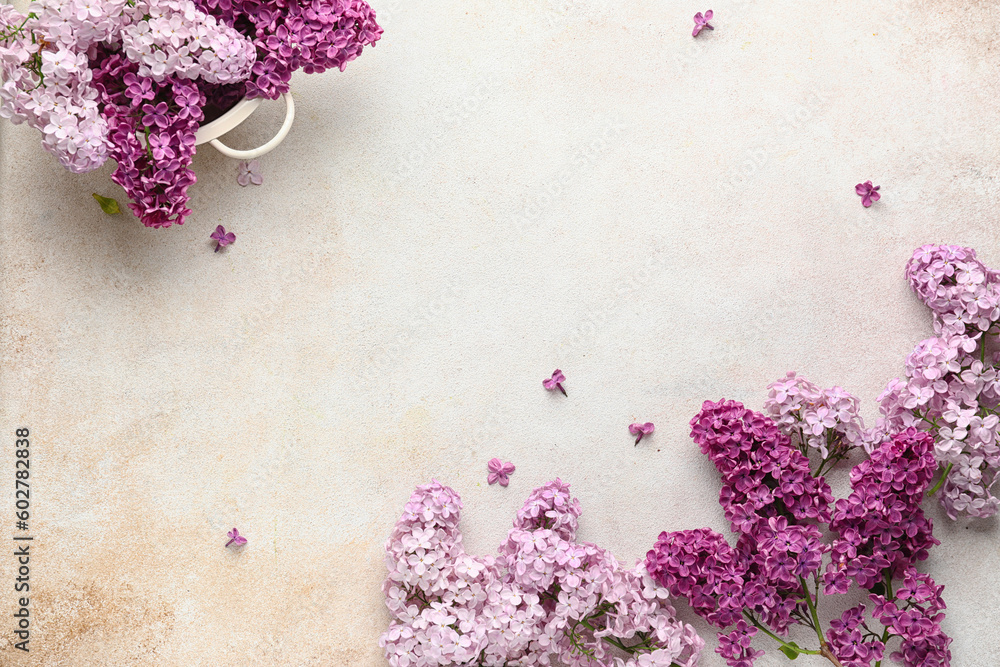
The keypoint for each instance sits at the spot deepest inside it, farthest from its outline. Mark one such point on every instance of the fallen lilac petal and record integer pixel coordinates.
(234, 536)
(498, 471)
(701, 22)
(868, 193)
(555, 382)
(223, 239)
(641, 430)
(249, 173)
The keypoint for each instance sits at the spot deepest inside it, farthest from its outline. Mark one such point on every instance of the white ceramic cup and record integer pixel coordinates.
(210, 132)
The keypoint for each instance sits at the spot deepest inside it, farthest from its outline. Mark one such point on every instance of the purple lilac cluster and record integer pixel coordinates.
(129, 79)
(773, 578)
(544, 597)
(153, 127)
(293, 34)
(951, 387)
(882, 530)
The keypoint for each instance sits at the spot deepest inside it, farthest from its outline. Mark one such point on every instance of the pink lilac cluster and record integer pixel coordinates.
(294, 34)
(543, 598)
(167, 37)
(951, 387)
(824, 420)
(47, 81)
(129, 79)
(774, 577)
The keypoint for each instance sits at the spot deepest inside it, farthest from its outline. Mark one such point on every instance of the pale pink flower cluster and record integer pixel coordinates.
(545, 597)
(174, 37)
(951, 387)
(826, 420)
(47, 80)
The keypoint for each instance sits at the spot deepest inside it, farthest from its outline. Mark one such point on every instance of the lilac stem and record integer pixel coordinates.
(638, 439)
(940, 482)
(559, 384)
(230, 541)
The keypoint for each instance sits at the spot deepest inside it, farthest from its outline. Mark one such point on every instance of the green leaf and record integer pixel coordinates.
(108, 205)
(791, 649)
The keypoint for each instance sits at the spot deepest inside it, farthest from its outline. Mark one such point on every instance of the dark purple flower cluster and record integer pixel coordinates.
(768, 493)
(915, 614)
(152, 127)
(882, 529)
(314, 36)
(771, 579)
(735, 646)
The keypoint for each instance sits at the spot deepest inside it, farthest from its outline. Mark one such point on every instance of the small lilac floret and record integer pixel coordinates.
(555, 382)
(222, 238)
(499, 471)
(249, 173)
(868, 193)
(641, 430)
(701, 22)
(235, 538)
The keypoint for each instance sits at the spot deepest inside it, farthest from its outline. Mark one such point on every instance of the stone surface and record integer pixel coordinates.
(498, 189)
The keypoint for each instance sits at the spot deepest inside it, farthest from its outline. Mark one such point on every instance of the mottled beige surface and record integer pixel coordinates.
(498, 189)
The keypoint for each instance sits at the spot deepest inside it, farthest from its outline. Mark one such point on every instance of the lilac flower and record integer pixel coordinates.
(543, 599)
(155, 115)
(868, 193)
(640, 430)
(555, 382)
(701, 22)
(138, 88)
(223, 239)
(881, 523)
(814, 419)
(951, 386)
(249, 173)
(771, 577)
(235, 537)
(499, 472)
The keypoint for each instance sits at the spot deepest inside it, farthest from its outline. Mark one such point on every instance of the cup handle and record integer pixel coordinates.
(269, 146)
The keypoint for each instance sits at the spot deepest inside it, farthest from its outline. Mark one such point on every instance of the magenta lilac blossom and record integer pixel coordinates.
(249, 173)
(951, 386)
(701, 22)
(499, 471)
(543, 598)
(222, 238)
(868, 193)
(555, 382)
(235, 538)
(640, 430)
(774, 577)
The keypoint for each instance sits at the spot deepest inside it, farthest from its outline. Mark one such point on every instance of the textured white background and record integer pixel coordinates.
(498, 189)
